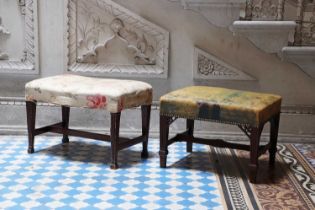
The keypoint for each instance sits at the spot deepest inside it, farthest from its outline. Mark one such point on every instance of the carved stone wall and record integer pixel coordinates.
(187, 28)
(18, 37)
(107, 39)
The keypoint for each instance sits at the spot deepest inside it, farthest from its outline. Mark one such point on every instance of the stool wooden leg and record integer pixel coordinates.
(254, 153)
(164, 131)
(190, 129)
(145, 112)
(114, 136)
(31, 116)
(274, 128)
(65, 122)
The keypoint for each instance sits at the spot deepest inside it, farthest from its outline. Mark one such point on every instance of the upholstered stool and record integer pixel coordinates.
(85, 92)
(248, 110)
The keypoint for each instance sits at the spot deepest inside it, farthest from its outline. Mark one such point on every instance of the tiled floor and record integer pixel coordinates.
(77, 176)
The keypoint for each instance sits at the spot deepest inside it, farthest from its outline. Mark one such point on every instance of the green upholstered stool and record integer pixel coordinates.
(248, 110)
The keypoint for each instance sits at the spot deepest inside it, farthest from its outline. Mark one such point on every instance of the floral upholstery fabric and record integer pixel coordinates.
(112, 95)
(220, 104)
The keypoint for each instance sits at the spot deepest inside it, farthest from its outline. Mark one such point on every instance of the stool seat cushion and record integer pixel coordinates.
(113, 95)
(220, 104)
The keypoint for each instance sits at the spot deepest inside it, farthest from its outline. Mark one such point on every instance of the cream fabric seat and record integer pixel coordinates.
(112, 95)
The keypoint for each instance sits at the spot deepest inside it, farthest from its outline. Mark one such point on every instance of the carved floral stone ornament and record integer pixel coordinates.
(3, 33)
(207, 66)
(106, 38)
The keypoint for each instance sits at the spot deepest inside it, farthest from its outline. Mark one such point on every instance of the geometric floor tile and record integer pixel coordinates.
(77, 176)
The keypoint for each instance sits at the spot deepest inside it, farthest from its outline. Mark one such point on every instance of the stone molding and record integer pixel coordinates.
(270, 36)
(127, 27)
(29, 63)
(302, 56)
(212, 10)
(209, 67)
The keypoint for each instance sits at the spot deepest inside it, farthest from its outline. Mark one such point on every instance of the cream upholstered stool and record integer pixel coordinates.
(249, 110)
(85, 92)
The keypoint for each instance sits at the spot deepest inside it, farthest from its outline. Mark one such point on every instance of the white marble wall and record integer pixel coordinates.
(187, 30)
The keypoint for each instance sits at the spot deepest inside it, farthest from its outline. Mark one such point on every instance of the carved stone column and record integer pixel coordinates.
(299, 21)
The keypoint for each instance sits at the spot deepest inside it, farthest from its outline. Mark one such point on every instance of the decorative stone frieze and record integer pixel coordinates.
(207, 67)
(105, 38)
(24, 57)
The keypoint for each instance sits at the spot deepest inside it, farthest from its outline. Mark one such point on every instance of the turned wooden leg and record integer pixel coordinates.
(190, 129)
(114, 137)
(31, 116)
(65, 122)
(274, 128)
(145, 113)
(164, 131)
(254, 153)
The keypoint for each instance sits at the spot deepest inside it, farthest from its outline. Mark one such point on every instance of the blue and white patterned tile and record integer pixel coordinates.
(77, 176)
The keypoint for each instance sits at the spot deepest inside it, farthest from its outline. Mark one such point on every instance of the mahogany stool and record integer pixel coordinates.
(250, 111)
(94, 93)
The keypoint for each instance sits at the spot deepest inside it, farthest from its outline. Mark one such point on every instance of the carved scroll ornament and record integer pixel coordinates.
(138, 46)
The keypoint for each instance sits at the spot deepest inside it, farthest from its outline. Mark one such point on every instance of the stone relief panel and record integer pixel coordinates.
(207, 66)
(18, 37)
(105, 38)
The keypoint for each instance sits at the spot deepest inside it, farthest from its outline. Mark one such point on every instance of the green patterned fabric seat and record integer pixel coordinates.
(220, 104)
